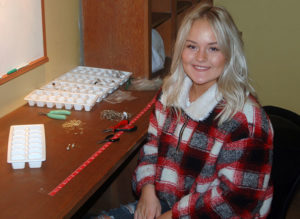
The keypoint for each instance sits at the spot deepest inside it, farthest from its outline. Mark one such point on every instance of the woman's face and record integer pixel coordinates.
(202, 58)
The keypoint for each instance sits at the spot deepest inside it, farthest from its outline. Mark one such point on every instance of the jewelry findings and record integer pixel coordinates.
(114, 115)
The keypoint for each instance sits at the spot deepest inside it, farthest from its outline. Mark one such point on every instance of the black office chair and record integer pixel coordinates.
(286, 159)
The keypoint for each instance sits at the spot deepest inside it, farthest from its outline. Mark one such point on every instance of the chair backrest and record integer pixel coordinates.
(286, 158)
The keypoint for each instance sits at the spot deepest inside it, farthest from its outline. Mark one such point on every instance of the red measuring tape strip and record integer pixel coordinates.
(97, 153)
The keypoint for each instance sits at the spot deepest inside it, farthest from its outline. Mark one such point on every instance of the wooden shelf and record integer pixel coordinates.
(124, 41)
(159, 18)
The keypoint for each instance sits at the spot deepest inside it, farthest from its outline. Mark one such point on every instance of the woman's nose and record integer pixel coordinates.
(201, 55)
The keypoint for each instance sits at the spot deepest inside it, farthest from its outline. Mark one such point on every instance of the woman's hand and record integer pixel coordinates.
(148, 206)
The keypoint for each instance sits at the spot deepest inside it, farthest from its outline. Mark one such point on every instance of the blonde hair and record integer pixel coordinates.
(234, 82)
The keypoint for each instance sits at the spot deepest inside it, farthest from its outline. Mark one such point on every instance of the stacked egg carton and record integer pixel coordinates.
(80, 88)
(26, 143)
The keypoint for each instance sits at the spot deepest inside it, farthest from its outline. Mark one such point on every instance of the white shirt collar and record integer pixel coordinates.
(200, 108)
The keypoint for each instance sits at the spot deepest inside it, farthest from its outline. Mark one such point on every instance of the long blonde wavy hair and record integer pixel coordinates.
(234, 81)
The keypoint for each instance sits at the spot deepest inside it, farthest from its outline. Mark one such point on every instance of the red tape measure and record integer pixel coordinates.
(97, 153)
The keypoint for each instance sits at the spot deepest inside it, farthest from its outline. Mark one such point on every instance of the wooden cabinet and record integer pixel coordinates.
(117, 34)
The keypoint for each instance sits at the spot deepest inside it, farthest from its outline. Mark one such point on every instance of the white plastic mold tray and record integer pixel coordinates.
(90, 79)
(119, 76)
(61, 99)
(80, 80)
(100, 91)
(26, 143)
(96, 76)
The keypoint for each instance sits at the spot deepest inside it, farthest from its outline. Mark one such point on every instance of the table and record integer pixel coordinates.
(24, 192)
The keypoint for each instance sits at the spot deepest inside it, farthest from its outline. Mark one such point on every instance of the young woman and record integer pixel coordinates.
(209, 148)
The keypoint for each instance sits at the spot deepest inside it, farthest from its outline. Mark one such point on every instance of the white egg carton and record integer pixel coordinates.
(26, 143)
(61, 99)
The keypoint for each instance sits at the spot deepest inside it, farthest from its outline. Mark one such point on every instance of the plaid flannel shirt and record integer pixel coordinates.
(203, 170)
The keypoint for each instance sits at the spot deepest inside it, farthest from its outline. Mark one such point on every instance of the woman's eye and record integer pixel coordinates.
(191, 47)
(214, 49)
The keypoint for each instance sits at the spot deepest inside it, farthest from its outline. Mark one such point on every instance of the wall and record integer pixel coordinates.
(271, 31)
(63, 50)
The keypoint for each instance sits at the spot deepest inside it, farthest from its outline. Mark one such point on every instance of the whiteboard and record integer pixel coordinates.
(21, 33)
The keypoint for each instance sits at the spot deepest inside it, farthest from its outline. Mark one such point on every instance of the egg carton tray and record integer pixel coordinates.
(61, 99)
(100, 91)
(26, 144)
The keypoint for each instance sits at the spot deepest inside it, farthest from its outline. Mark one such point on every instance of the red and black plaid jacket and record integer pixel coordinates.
(203, 170)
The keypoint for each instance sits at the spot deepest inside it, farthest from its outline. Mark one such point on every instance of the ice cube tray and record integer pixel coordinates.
(26, 143)
(64, 90)
(100, 91)
(120, 76)
(60, 99)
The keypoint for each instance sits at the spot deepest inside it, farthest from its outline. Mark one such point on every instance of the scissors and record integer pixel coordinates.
(122, 126)
(57, 114)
